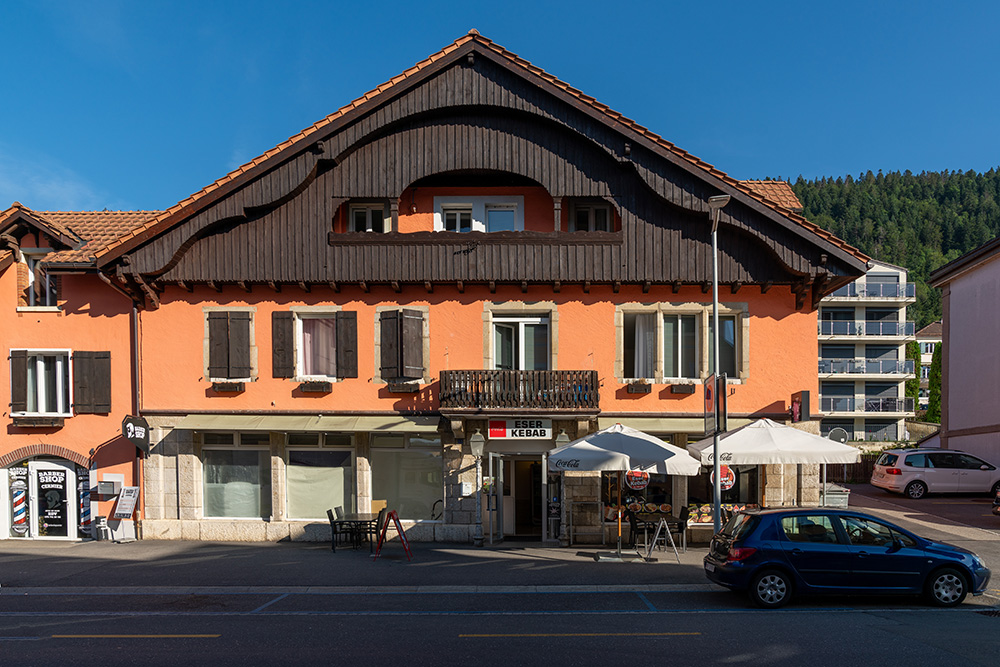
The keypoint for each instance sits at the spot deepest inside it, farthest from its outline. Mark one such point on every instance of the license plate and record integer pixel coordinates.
(709, 567)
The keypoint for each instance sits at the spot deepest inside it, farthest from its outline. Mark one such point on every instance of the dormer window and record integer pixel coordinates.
(42, 288)
(499, 213)
(590, 217)
(369, 218)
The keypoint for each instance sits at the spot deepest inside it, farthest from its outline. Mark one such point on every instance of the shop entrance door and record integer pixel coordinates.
(516, 500)
(52, 505)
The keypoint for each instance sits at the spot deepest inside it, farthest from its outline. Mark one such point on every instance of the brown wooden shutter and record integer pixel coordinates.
(239, 344)
(218, 345)
(412, 337)
(101, 385)
(283, 344)
(347, 344)
(389, 368)
(19, 381)
(83, 382)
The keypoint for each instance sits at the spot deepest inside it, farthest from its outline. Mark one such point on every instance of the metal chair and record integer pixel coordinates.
(371, 532)
(339, 529)
(680, 528)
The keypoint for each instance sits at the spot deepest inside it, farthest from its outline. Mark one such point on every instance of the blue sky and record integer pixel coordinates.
(135, 105)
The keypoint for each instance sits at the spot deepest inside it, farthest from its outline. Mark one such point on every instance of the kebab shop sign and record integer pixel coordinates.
(520, 429)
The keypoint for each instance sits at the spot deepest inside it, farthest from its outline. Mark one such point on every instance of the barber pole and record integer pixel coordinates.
(84, 489)
(19, 497)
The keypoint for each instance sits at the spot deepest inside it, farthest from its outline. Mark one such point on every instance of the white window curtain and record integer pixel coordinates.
(645, 346)
(319, 346)
(237, 483)
(318, 481)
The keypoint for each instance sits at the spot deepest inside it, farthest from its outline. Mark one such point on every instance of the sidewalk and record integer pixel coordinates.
(172, 564)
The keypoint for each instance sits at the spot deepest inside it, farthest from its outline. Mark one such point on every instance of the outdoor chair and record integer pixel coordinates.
(680, 529)
(340, 530)
(372, 531)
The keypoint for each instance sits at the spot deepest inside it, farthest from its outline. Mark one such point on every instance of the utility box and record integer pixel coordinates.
(109, 488)
(836, 496)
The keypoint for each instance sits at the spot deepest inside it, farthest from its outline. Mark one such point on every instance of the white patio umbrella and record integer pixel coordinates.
(766, 441)
(622, 448)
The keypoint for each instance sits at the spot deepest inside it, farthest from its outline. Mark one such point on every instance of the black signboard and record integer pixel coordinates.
(136, 430)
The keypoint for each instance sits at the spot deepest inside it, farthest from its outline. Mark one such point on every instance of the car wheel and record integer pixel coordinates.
(915, 490)
(946, 588)
(995, 490)
(771, 589)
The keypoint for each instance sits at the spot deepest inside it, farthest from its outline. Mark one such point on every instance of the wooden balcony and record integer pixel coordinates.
(510, 391)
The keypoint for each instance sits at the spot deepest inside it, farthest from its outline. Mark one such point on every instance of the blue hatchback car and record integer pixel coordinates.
(773, 554)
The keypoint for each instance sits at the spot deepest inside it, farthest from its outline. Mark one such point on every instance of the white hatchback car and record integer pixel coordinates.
(916, 472)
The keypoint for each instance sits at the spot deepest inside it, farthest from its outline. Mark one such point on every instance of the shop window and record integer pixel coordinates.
(501, 213)
(521, 343)
(401, 344)
(311, 345)
(318, 480)
(369, 218)
(744, 489)
(237, 482)
(407, 473)
(45, 382)
(588, 217)
(230, 343)
(656, 497)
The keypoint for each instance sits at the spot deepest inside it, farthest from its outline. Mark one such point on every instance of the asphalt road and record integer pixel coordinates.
(175, 603)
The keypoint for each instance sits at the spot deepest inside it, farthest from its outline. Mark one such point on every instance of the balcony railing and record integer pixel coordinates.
(519, 390)
(851, 328)
(850, 404)
(878, 290)
(866, 366)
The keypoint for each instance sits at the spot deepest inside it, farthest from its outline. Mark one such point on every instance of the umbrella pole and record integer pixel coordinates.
(619, 508)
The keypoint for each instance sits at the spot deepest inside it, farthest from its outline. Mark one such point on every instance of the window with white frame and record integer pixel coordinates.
(521, 343)
(499, 213)
(42, 286)
(320, 474)
(44, 379)
(590, 217)
(236, 475)
(407, 473)
(663, 342)
(369, 218)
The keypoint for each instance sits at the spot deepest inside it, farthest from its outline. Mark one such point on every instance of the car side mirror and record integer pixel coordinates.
(984, 467)
(897, 544)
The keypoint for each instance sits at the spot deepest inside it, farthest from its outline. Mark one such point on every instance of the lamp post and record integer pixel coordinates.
(561, 439)
(477, 443)
(715, 204)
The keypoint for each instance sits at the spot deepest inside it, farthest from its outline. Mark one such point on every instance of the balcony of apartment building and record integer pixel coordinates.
(883, 292)
(866, 368)
(877, 330)
(510, 391)
(850, 406)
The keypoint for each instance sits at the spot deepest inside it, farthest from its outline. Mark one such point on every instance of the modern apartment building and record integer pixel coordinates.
(863, 367)
(928, 338)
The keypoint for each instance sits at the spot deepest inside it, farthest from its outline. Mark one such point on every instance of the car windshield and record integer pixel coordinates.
(887, 459)
(738, 525)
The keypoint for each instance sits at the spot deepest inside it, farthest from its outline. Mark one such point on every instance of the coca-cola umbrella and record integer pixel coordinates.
(620, 448)
(766, 441)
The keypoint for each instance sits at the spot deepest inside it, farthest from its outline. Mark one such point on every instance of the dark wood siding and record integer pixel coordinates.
(283, 344)
(18, 381)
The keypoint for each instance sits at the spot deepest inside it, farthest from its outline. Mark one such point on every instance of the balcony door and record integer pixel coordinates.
(521, 343)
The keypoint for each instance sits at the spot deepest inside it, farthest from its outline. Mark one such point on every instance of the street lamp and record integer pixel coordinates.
(477, 443)
(715, 205)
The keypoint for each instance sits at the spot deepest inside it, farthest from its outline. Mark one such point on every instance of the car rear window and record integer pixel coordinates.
(887, 459)
(739, 525)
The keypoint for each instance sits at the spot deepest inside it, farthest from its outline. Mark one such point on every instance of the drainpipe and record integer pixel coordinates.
(136, 402)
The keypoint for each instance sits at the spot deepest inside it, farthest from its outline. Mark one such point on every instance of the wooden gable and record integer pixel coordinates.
(476, 109)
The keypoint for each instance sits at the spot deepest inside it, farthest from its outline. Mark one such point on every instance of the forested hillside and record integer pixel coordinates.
(917, 221)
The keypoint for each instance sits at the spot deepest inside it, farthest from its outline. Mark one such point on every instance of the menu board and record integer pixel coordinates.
(126, 502)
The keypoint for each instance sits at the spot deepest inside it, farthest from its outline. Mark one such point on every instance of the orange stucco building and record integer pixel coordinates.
(474, 251)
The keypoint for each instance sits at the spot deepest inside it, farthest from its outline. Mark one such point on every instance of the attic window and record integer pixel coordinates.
(589, 217)
(42, 287)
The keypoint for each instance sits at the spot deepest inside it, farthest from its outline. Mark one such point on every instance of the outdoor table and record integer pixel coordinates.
(657, 519)
(360, 524)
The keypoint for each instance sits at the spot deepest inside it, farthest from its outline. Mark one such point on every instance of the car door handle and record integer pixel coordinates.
(796, 552)
(862, 554)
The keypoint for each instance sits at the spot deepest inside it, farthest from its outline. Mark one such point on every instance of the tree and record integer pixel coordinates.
(913, 386)
(934, 386)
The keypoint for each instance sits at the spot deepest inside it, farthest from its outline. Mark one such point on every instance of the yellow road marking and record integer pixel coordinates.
(586, 634)
(136, 636)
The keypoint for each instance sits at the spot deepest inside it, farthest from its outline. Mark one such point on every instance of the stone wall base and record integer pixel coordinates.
(220, 530)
